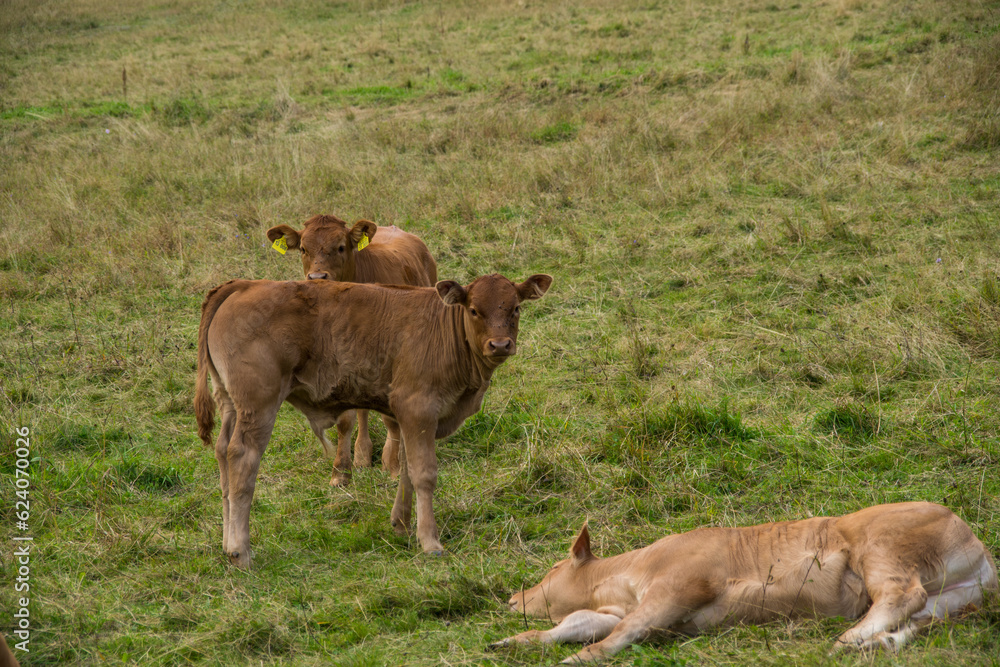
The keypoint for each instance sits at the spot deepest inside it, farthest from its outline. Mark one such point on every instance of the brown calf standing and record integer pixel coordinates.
(330, 251)
(423, 356)
(895, 567)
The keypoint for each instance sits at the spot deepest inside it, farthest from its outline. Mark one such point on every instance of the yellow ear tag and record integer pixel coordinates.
(363, 243)
(280, 245)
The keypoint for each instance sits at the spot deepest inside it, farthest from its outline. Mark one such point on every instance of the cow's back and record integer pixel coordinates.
(371, 336)
(320, 339)
(395, 257)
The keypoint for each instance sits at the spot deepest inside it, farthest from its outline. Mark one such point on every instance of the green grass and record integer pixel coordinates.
(776, 249)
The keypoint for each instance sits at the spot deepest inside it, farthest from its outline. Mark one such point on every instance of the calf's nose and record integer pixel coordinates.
(318, 276)
(501, 346)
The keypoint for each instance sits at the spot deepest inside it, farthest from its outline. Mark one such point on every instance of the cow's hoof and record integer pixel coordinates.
(436, 552)
(341, 480)
(240, 559)
(401, 529)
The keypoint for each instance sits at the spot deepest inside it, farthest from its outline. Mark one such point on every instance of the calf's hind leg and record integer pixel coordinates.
(342, 463)
(952, 601)
(894, 600)
(221, 447)
(390, 453)
(246, 447)
(403, 505)
(363, 445)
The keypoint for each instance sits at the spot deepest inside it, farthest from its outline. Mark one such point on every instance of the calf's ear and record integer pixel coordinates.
(362, 228)
(292, 237)
(452, 293)
(534, 287)
(580, 551)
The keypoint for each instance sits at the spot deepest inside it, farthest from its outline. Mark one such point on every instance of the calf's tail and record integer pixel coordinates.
(204, 404)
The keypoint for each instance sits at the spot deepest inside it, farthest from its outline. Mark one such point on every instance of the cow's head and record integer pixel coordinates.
(492, 310)
(327, 245)
(568, 586)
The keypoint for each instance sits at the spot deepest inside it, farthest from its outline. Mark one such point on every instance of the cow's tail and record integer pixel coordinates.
(204, 404)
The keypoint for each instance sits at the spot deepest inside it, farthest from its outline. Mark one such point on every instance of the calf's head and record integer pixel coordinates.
(492, 310)
(568, 586)
(327, 245)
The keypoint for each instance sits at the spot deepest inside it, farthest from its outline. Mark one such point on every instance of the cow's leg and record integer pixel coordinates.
(952, 601)
(894, 600)
(421, 468)
(221, 449)
(390, 453)
(583, 626)
(319, 424)
(342, 464)
(363, 445)
(401, 508)
(246, 447)
(663, 608)
(893, 641)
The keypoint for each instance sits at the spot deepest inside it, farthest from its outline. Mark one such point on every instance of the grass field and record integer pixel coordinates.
(775, 236)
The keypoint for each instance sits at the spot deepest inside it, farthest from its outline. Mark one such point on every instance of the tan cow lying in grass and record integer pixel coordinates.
(333, 251)
(423, 356)
(906, 564)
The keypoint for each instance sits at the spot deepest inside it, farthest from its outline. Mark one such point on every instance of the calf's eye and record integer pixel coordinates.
(340, 249)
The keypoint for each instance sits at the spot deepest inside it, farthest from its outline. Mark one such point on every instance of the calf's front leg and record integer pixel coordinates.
(418, 467)
(661, 610)
(582, 626)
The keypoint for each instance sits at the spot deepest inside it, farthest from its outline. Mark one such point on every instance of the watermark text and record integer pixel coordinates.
(22, 539)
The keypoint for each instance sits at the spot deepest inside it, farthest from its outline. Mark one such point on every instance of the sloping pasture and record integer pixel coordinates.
(775, 236)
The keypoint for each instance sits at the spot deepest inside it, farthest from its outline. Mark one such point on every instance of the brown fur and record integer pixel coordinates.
(423, 356)
(900, 566)
(328, 247)
(7, 658)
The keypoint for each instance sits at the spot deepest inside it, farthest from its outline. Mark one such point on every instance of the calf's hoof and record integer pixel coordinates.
(340, 479)
(240, 559)
(503, 643)
(401, 528)
(434, 550)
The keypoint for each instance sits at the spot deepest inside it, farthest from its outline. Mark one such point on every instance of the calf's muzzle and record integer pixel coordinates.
(500, 347)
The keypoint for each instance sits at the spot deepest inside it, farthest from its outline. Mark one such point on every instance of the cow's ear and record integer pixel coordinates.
(534, 287)
(580, 551)
(292, 237)
(452, 293)
(362, 228)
